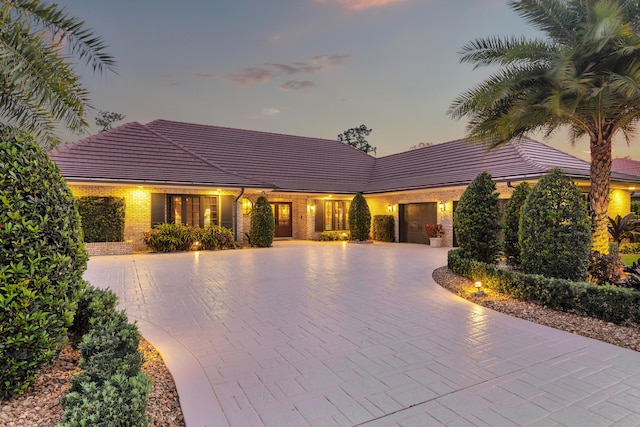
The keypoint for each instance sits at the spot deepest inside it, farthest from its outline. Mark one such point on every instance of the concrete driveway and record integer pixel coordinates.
(336, 334)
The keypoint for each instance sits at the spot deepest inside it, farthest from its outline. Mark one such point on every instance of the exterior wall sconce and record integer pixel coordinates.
(247, 206)
(442, 206)
(390, 208)
(312, 208)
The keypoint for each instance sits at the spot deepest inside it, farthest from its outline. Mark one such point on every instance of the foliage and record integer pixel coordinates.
(359, 218)
(330, 236)
(632, 280)
(39, 86)
(110, 390)
(476, 220)
(106, 119)
(42, 259)
(433, 230)
(94, 302)
(629, 248)
(555, 231)
(180, 237)
(262, 224)
(584, 74)
(609, 303)
(384, 228)
(621, 228)
(635, 207)
(102, 218)
(511, 223)
(605, 268)
(356, 138)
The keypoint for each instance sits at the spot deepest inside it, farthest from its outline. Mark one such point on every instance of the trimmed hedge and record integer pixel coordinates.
(383, 228)
(111, 390)
(359, 218)
(330, 236)
(609, 303)
(179, 237)
(511, 223)
(262, 228)
(102, 218)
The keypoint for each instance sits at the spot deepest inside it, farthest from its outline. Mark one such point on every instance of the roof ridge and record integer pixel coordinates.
(92, 138)
(518, 146)
(203, 159)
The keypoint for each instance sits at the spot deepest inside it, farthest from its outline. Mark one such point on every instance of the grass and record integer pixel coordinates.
(629, 259)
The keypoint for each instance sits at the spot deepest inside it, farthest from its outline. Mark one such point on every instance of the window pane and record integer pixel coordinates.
(193, 210)
(177, 210)
(328, 216)
(210, 210)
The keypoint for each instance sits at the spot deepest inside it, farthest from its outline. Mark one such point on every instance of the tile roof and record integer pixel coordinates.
(180, 153)
(459, 162)
(628, 166)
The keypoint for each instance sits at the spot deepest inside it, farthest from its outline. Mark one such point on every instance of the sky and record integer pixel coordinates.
(301, 67)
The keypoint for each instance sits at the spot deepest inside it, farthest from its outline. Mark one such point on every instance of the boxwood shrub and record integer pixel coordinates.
(359, 218)
(383, 228)
(179, 237)
(609, 303)
(262, 227)
(102, 218)
(42, 259)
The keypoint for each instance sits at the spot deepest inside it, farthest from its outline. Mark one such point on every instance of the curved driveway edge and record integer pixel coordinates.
(334, 334)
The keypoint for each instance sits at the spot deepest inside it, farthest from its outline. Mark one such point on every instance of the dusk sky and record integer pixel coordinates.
(301, 67)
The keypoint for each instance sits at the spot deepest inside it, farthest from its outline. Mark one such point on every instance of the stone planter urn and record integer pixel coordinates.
(436, 242)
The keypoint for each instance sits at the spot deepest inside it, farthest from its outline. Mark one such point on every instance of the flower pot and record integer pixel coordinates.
(435, 242)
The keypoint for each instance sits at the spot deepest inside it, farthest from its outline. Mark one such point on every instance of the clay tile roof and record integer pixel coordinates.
(136, 154)
(292, 163)
(627, 166)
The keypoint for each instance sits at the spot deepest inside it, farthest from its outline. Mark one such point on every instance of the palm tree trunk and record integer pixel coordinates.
(599, 192)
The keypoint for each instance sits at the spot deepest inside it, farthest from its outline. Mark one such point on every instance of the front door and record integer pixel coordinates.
(412, 218)
(282, 216)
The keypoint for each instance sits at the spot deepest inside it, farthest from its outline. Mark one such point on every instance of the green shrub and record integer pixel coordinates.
(120, 401)
(359, 218)
(609, 303)
(42, 259)
(555, 230)
(605, 268)
(329, 236)
(215, 237)
(384, 228)
(476, 220)
(169, 238)
(635, 207)
(94, 302)
(102, 218)
(511, 245)
(262, 224)
(629, 248)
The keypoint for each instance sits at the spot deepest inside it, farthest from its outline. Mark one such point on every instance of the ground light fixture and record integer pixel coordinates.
(479, 292)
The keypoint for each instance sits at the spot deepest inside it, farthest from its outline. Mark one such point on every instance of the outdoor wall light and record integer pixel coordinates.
(312, 208)
(390, 208)
(247, 206)
(442, 206)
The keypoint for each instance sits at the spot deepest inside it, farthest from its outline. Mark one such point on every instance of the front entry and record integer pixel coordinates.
(412, 218)
(282, 216)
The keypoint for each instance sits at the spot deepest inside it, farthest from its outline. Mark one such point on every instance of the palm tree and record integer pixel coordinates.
(585, 74)
(39, 88)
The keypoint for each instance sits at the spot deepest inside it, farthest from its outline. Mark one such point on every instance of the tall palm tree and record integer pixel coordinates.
(39, 89)
(585, 74)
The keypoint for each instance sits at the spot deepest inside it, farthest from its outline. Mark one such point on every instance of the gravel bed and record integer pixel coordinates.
(625, 335)
(41, 405)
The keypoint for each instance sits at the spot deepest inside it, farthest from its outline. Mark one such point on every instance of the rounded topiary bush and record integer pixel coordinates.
(555, 230)
(476, 220)
(511, 245)
(262, 224)
(42, 259)
(359, 218)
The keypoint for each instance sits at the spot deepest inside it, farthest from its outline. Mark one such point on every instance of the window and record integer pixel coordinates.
(336, 215)
(192, 210)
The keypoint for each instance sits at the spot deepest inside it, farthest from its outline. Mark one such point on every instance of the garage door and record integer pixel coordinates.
(413, 217)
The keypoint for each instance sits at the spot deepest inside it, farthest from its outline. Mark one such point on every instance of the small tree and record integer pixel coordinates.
(555, 229)
(262, 224)
(106, 119)
(42, 259)
(356, 138)
(511, 245)
(359, 218)
(476, 220)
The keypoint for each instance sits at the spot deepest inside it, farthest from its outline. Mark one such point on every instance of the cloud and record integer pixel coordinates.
(269, 112)
(206, 76)
(298, 86)
(270, 70)
(364, 4)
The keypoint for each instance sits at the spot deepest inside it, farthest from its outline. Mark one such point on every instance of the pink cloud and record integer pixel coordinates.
(364, 4)
(252, 75)
(298, 86)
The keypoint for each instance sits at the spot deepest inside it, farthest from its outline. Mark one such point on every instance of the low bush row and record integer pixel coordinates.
(609, 303)
(327, 236)
(383, 228)
(629, 248)
(110, 390)
(179, 237)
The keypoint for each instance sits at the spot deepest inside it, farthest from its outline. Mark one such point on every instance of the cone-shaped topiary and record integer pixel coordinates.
(476, 220)
(359, 218)
(511, 245)
(555, 230)
(262, 224)
(42, 259)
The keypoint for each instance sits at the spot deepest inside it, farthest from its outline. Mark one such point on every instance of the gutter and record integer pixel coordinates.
(235, 214)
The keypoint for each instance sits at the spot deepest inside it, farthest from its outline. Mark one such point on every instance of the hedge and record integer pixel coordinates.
(606, 302)
(102, 218)
(383, 228)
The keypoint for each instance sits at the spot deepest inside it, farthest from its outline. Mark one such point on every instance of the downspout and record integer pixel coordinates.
(235, 214)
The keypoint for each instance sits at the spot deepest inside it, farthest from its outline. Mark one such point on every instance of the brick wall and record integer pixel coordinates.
(109, 248)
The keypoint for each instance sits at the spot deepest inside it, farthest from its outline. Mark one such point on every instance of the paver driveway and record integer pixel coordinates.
(326, 334)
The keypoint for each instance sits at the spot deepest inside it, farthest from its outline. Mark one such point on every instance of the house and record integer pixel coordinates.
(629, 167)
(197, 174)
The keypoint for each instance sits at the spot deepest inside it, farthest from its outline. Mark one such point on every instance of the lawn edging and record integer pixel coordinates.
(609, 303)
